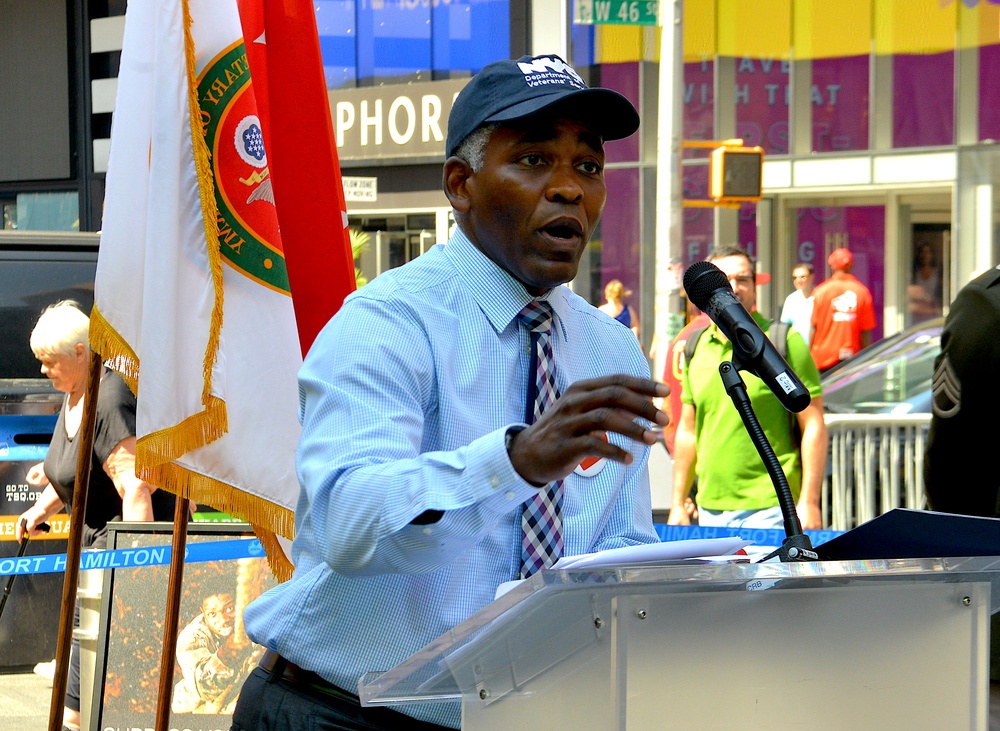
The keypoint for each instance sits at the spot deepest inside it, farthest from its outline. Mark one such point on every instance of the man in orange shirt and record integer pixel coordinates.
(843, 314)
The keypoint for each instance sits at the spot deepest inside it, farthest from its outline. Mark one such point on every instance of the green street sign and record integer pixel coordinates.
(617, 12)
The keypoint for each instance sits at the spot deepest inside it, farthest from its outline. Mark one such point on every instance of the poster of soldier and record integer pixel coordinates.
(213, 654)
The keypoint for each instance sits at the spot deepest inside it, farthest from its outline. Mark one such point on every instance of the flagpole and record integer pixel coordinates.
(73, 542)
(174, 585)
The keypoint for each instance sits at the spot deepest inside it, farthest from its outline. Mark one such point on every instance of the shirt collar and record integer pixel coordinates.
(498, 294)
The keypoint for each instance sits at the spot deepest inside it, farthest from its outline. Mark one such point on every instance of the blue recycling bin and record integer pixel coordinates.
(30, 622)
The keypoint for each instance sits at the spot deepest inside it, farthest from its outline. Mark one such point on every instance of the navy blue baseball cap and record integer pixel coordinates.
(504, 91)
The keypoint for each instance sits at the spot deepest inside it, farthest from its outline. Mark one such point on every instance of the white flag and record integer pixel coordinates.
(192, 302)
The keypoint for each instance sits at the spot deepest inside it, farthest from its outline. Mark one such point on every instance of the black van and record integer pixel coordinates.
(39, 268)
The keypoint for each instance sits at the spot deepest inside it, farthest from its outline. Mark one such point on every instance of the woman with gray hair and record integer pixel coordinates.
(60, 341)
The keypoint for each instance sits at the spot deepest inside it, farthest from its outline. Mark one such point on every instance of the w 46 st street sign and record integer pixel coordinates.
(617, 12)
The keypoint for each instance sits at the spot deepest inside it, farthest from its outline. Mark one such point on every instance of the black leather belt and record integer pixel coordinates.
(346, 703)
(272, 662)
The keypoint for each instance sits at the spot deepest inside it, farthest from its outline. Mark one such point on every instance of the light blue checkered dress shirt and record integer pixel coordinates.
(407, 395)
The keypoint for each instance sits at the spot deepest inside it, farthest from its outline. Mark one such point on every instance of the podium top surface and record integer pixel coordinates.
(545, 618)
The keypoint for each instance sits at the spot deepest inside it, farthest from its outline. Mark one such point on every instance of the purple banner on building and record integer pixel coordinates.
(762, 98)
(989, 93)
(923, 100)
(839, 102)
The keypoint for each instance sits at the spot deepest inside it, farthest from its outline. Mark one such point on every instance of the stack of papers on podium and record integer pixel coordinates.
(645, 554)
(648, 553)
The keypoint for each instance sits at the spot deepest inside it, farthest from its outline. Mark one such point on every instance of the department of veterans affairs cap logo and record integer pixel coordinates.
(247, 220)
(549, 70)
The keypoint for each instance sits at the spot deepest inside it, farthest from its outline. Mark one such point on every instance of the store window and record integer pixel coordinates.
(384, 241)
(698, 229)
(468, 35)
(698, 224)
(839, 102)
(623, 78)
(762, 100)
(859, 228)
(615, 251)
(758, 46)
(581, 45)
(832, 46)
(925, 291)
(43, 212)
(393, 42)
(748, 228)
(698, 116)
(923, 93)
(989, 92)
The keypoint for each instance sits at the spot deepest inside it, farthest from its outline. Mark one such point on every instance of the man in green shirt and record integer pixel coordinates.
(712, 444)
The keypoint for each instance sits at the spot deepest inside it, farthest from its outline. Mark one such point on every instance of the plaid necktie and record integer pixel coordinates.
(541, 519)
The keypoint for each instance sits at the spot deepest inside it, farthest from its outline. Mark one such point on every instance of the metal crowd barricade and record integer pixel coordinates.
(875, 465)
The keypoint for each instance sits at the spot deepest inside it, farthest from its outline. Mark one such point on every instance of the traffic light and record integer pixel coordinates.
(735, 173)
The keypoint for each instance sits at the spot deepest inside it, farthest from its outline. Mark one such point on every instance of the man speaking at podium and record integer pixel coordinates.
(466, 419)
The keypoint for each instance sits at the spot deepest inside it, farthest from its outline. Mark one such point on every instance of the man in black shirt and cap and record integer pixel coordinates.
(960, 469)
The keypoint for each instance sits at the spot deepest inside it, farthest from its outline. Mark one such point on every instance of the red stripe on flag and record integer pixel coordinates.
(302, 157)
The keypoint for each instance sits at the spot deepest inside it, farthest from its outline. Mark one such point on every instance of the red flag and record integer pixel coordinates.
(282, 44)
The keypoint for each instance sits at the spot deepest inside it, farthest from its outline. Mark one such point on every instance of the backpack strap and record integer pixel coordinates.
(778, 334)
(691, 344)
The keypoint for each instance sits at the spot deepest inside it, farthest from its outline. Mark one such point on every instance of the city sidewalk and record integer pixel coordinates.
(24, 702)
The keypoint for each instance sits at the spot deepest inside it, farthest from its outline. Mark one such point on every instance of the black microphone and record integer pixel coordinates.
(709, 289)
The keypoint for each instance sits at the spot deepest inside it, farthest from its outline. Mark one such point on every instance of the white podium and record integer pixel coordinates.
(878, 644)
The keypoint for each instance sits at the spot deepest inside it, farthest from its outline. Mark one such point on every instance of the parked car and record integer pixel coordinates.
(892, 376)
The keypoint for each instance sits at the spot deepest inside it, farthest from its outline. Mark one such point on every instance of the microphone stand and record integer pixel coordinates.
(796, 546)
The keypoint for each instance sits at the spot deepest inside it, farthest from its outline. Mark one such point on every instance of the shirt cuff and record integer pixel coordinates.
(489, 470)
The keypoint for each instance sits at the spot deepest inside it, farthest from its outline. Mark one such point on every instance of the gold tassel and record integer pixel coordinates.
(209, 208)
(266, 518)
(175, 441)
(112, 347)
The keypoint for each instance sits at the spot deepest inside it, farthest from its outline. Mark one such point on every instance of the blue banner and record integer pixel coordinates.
(760, 536)
(250, 548)
(132, 557)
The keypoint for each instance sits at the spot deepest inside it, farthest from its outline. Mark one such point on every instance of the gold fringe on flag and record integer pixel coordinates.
(195, 431)
(167, 444)
(266, 518)
(116, 352)
(155, 452)
(209, 208)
